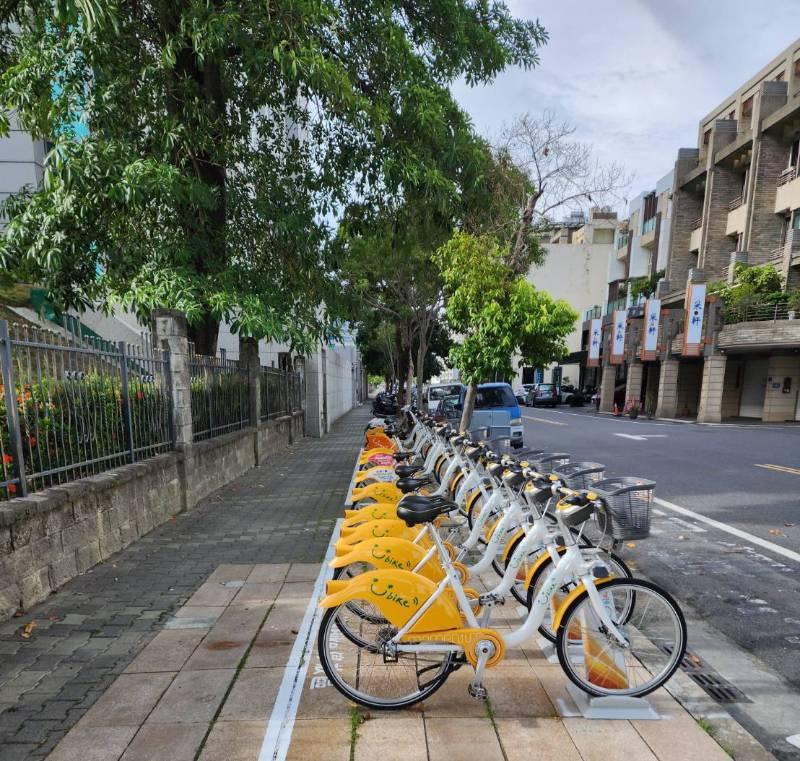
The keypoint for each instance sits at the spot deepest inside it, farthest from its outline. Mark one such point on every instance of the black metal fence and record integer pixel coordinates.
(73, 406)
(281, 393)
(758, 313)
(220, 396)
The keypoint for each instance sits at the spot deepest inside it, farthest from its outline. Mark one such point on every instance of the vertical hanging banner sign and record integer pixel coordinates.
(618, 336)
(693, 322)
(652, 317)
(595, 339)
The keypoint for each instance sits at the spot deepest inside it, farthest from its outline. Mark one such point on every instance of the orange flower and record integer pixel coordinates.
(8, 459)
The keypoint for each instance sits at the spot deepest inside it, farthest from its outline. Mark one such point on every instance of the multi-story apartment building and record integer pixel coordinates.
(641, 247)
(21, 160)
(575, 270)
(735, 200)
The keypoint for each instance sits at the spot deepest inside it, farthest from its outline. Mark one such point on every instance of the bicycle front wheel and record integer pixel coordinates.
(362, 674)
(654, 629)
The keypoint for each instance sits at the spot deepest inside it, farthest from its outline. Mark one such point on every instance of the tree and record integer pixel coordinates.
(498, 314)
(561, 174)
(199, 146)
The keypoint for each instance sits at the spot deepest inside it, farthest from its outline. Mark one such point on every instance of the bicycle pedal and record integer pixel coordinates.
(478, 691)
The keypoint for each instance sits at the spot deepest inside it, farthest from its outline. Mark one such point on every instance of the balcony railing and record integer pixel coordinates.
(622, 241)
(787, 175)
(697, 224)
(593, 313)
(649, 225)
(735, 203)
(756, 313)
(776, 255)
(615, 304)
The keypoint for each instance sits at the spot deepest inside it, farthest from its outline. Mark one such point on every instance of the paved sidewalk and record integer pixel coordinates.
(90, 631)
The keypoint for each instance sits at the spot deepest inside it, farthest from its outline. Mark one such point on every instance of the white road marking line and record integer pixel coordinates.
(542, 420)
(281, 722)
(776, 548)
(642, 437)
(780, 468)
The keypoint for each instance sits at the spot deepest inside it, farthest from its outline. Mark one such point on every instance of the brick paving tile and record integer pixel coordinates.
(327, 739)
(464, 739)
(400, 738)
(234, 741)
(170, 742)
(94, 627)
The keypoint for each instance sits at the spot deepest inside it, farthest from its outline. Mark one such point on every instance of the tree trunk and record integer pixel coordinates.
(402, 358)
(410, 376)
(204, 335)
(469, 407)
(421, 349)
(518, 258)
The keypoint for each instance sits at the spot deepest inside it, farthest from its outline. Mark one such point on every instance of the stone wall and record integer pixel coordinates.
(780, 406)
(765, 333)
(51, 536)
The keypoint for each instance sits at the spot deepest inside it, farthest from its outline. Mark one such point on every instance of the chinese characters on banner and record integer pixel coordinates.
(595, 339)
(693, 323)
(652, 317)
(618, 336)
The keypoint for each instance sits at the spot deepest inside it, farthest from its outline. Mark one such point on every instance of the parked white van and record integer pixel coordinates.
(439, 391)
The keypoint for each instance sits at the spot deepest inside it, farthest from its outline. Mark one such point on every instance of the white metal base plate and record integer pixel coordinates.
(612, 707)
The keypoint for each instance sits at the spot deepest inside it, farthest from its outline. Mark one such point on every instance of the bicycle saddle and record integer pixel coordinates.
(412, 484)
(404, 471)
(415, 513)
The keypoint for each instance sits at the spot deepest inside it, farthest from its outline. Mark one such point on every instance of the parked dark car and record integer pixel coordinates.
(546, 395)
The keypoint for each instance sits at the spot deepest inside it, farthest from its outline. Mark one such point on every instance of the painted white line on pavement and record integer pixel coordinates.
(776, 548)
(542, 420)
(281, 722)
(642, 437)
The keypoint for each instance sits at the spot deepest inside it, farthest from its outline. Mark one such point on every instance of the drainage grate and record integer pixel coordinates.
(710, 681)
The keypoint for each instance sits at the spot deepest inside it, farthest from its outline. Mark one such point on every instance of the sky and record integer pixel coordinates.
(636, 76)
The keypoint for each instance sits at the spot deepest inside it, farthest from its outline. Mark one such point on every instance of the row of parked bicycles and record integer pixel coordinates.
(446, 528)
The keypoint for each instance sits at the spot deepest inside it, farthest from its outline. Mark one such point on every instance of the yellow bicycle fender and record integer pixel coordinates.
(391, 552)
(380, 492)
(565, 603)
(363, 475)
(363, 459)
(374, 512)
(398, 595)
(374, 530)
(472, 498)
(517, 534)
(541, 559)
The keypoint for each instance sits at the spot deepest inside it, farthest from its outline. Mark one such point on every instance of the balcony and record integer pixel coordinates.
(648, 232)
(737, 217)
(592, 313)
(615, 304)
(759, 326)
(787, 195)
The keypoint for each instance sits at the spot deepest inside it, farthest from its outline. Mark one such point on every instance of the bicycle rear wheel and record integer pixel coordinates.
(652, 624)
(362, 674)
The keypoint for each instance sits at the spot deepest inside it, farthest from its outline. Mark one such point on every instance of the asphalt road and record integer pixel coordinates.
(745, 589)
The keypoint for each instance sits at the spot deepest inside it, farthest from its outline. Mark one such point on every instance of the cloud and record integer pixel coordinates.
(635, 76)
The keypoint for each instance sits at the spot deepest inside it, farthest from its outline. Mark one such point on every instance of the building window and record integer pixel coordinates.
(739, 242)
(796, 219)
(797, 68)
(794, 153)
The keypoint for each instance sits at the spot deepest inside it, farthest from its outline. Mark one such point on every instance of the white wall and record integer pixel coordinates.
(576, 273)
(664, 185)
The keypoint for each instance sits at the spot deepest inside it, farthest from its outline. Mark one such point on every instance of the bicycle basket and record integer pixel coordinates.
(630, 502)
(580, 475)
(547, 462)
